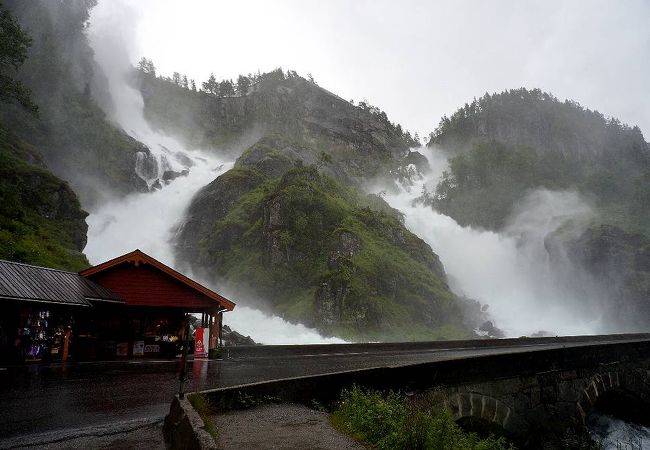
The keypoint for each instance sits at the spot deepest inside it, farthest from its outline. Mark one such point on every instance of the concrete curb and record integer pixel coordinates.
(184, 429)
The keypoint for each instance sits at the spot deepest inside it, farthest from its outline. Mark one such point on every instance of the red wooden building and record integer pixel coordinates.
(132, 305)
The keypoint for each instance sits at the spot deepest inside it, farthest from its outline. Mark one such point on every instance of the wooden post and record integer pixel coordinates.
(186, 343)
(220, 328)
(214, 335)
(66, 344)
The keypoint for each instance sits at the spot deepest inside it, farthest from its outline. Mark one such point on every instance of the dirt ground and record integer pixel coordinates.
(279, 426)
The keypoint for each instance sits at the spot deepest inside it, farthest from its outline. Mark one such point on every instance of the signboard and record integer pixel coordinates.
(138, 348)
(122, 349)
(153, 348)
(201, 342)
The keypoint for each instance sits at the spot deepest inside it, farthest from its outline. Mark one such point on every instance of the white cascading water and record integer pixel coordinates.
(511, 272)
(147, 220)
(508, 271)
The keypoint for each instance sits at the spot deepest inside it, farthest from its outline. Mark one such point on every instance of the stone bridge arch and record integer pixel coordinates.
(634, 383)
(475, 405)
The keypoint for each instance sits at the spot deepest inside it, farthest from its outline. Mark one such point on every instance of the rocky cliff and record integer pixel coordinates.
(72, 133)
(41, 221)
(503, 145)
(289, 225)
(317, 251)
(619, 263)
(351, 143)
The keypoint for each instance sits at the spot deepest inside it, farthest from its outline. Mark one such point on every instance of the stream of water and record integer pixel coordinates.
(510, 272)
(148, 220)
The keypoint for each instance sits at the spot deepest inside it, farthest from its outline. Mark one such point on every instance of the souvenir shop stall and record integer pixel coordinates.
(130, 306)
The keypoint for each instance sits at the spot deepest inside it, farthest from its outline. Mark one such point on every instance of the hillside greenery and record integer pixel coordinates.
(359, 141)
(273, 100)
(391, 421)
(41, 221)
(71, 131)
(501, 146)
(319, 255)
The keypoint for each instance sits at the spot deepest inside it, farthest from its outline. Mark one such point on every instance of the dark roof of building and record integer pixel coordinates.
(41, 284)
(138, 257)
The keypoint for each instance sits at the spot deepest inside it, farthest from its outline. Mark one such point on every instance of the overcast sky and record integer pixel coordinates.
(417, 60)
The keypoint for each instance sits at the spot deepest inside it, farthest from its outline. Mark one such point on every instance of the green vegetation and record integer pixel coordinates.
(14, 42)
(202, 406)
(70, 131)
(278, 102)
(506, 144)
(390, 421)
(41, 221)
(320, 256)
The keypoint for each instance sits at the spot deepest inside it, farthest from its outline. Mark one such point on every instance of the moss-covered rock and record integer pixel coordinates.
(41, 221)
(313, 250)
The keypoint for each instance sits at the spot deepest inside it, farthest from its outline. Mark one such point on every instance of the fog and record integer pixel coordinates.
(511, 271)
(415, 59)
(148, 221)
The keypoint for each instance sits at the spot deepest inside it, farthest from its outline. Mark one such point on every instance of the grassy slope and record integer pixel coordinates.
(394, 286)
(41, 221)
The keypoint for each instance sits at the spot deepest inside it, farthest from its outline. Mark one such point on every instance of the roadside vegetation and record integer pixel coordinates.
(390, 421)
(202, 406)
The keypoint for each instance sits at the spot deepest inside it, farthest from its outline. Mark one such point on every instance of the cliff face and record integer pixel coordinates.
(620, 262)
(506, 145)
(72, 133)
(503, 145)
(41, 221)
(312, 250)
(357, 142)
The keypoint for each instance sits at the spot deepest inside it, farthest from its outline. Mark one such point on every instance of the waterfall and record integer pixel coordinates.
(510, 270)
(148, 220)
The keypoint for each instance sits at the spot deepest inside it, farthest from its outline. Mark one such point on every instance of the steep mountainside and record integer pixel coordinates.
(71, 131)
(317, 253)
(355, 142)
(505, 145)
(41, 221)
(288, 223)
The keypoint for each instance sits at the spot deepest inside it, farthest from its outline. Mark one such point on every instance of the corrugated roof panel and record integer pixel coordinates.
(33, 283)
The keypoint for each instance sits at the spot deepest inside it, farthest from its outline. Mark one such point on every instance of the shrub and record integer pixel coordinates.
(390, 422)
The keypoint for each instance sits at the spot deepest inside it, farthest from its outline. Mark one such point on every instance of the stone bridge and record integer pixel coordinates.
(526, 388)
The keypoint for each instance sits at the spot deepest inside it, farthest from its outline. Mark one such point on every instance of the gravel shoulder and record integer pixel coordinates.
(279, 426)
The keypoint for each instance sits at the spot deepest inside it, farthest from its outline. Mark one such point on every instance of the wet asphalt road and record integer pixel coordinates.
(38, 399)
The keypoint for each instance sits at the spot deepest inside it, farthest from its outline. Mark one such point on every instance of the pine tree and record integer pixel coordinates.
(243, 83)
(14, 42)
(226, 88)
(211, 86)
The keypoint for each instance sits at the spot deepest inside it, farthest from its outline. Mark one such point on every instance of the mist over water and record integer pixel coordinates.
(615, 434)
(148, 220)
(511, 271)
